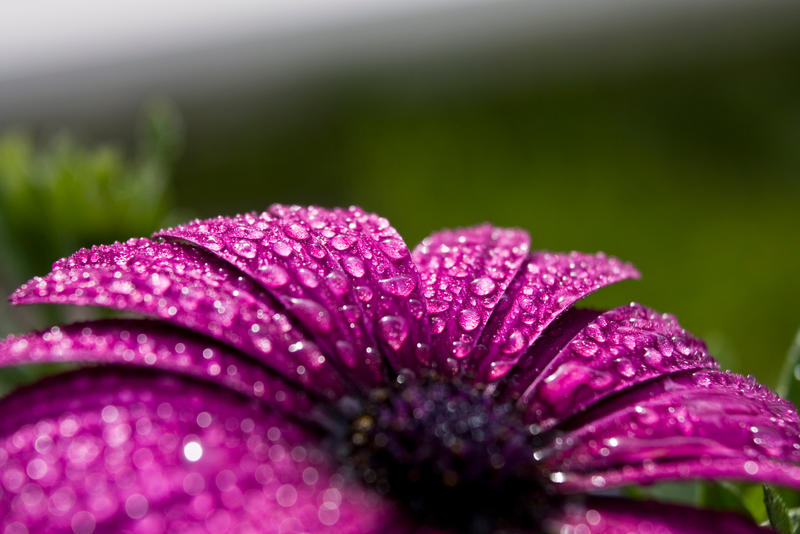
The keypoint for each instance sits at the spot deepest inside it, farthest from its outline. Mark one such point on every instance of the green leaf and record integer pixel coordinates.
(778, 512)
(789, 382)
(723, 495)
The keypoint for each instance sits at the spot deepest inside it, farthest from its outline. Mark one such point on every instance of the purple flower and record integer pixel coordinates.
(307, 373)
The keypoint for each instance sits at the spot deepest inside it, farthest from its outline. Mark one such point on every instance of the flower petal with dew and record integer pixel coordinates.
(301, 370)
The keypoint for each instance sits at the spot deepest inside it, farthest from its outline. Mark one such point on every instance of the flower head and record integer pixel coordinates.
(306, 372)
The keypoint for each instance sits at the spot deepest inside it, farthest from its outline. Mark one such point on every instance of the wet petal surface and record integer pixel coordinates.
(699, 423)
(183, 285)
(385, 280)
(143, 452)
(157, 345)
(619, 348)
(547, 284)
(290, 260)
(465, 273)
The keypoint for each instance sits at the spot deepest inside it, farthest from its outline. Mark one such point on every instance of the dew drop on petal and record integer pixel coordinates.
(354, 266)
(482, 286)
(245, 248)
(393, 329)
(469, 319)
(274, 276)
(400, 286)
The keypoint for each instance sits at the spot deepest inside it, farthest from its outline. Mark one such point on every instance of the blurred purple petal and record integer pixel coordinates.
(165, 454)
(465, 273)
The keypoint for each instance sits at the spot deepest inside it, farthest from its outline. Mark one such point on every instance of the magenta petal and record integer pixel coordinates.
(547, 284)
(379, 267)
(465, 273)
(289, 259)
(619, 348)
(183, 285)
(152, 344)
(623, 516)
(701, 423)
(101, 451)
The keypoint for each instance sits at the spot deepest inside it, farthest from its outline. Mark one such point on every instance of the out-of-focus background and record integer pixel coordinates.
(666, 133)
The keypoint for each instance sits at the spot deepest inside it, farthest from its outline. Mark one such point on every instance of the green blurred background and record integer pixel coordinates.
(687, 165)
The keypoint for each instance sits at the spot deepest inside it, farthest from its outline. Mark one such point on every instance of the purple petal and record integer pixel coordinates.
(465, 272)
(622, 516)
(152, 344)
(379, 267)
(185, 286)
(619, 348)
(545, 287)
(699, 423)
(289, 259)
(100, 452)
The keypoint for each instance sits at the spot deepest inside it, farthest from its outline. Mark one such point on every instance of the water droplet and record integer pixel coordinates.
(274, 275)
(500, 368)
(160, 283)
(393, 329)
(584, 347)
(354, 266)
(416, 307)
(514, 343)
(482, 286)
(394, 248)
(282, 248)
(364, 293)
(400, 286)
(437, 305)
(625, 367)
(342, 242)
(245, 248)
(337, 283)
(307, 278)
(296, 231)
(469, 319)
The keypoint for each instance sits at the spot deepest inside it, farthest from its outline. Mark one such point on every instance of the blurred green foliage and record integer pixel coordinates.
(59, 195)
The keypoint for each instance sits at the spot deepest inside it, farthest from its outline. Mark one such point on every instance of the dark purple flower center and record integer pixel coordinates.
(449, 456)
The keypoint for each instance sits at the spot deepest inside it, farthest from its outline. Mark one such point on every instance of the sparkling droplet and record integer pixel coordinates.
(245, 248)
(341, 242)
(354, 266)
(337, 283)
(296, 231)
(364, 293)
(394, 248)
(274, 276)
(469, 319)
(282, 248)
(393, 329)
(482, 286)
(400, 286)
(515, 342)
